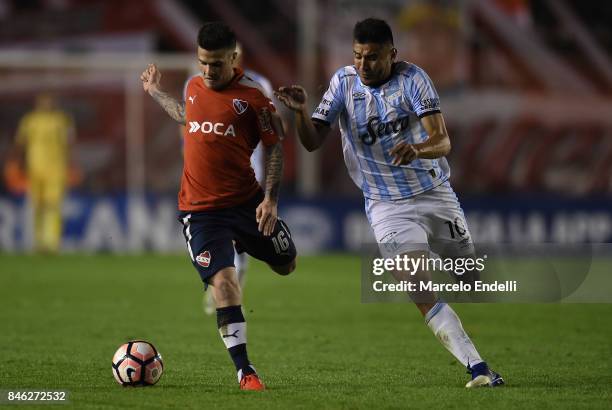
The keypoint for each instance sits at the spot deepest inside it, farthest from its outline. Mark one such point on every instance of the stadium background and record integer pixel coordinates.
(525, 89)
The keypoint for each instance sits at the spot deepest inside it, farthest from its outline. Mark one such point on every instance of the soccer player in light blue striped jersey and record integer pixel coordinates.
(394, 142)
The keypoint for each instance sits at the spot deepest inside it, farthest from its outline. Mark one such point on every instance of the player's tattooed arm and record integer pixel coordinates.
(150, 82)
(274, 170)
(267, 213)
(175, 109)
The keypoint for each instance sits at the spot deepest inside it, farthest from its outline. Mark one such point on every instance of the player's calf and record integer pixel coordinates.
(232, 326)
(226, 288)
(424, 300)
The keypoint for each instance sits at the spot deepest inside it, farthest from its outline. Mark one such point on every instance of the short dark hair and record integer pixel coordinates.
(216, 35)
(372, 30)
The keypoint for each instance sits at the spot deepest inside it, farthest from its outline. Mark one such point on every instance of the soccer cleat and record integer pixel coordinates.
(250, 381)
(482, 376)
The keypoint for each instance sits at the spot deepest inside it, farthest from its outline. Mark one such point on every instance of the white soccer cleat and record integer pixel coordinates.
(482, 376)
(479, 381)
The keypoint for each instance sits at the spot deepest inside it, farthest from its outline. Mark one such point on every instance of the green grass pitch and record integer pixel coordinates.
(312, 340)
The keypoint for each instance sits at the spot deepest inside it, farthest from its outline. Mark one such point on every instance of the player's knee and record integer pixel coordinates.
(285, 270)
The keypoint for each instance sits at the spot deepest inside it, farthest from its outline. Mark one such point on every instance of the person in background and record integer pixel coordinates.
(43, 140)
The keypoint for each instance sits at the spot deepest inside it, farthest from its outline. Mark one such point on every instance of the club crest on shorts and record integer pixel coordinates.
(240, 106)
(203, 259)
(389, 241)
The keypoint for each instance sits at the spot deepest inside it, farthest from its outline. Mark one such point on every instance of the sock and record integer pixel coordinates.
(232, 328)
(445, 324)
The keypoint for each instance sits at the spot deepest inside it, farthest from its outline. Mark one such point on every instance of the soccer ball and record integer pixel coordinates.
(137, 363)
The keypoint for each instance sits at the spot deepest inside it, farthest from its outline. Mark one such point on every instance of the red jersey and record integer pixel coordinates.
(223, 127)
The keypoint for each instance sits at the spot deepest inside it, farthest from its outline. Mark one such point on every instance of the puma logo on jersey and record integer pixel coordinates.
(192, 98)
(217, 128)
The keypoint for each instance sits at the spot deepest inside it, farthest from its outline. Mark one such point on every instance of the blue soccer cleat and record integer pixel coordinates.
(482, 376)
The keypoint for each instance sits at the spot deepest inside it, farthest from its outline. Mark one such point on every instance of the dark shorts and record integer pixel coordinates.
(210, 237)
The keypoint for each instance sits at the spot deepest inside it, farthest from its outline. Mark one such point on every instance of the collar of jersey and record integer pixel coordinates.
(238, 74)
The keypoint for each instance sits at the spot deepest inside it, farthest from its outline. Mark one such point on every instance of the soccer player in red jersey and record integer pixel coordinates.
(220, 203)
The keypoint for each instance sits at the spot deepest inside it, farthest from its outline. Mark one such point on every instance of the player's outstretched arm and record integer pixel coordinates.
(150, 82)
(436, 146)
(312, 134)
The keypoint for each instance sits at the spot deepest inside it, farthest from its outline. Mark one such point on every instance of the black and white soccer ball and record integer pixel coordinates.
(137, 363)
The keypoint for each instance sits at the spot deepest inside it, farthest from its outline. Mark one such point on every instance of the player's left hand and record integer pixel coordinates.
(150, 78)
(266, 215)
(404, 153)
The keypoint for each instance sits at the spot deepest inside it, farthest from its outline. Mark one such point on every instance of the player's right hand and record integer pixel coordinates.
(150, 78)
(293, 97)
(266, 215)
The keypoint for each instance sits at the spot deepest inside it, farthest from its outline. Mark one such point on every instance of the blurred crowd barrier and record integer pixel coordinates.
(119, 223)
(527, 108)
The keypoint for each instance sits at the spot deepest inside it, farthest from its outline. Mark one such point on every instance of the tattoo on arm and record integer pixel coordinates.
(274, 170)
(174, 109)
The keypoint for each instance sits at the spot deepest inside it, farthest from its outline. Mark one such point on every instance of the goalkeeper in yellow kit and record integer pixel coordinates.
(44, 136)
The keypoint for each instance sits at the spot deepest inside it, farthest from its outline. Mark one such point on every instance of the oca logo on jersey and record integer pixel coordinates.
(217, 128)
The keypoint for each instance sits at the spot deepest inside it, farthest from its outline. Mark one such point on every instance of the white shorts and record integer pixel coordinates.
(430, 221)
(241, 261)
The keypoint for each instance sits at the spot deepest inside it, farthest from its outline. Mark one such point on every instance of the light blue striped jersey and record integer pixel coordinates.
(374, 119)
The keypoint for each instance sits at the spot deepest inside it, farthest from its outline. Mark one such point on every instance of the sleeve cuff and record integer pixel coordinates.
(425, 114)
(320, 120)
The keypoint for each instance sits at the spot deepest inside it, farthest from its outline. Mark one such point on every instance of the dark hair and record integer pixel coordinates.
(372, 30)
(216, 35)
